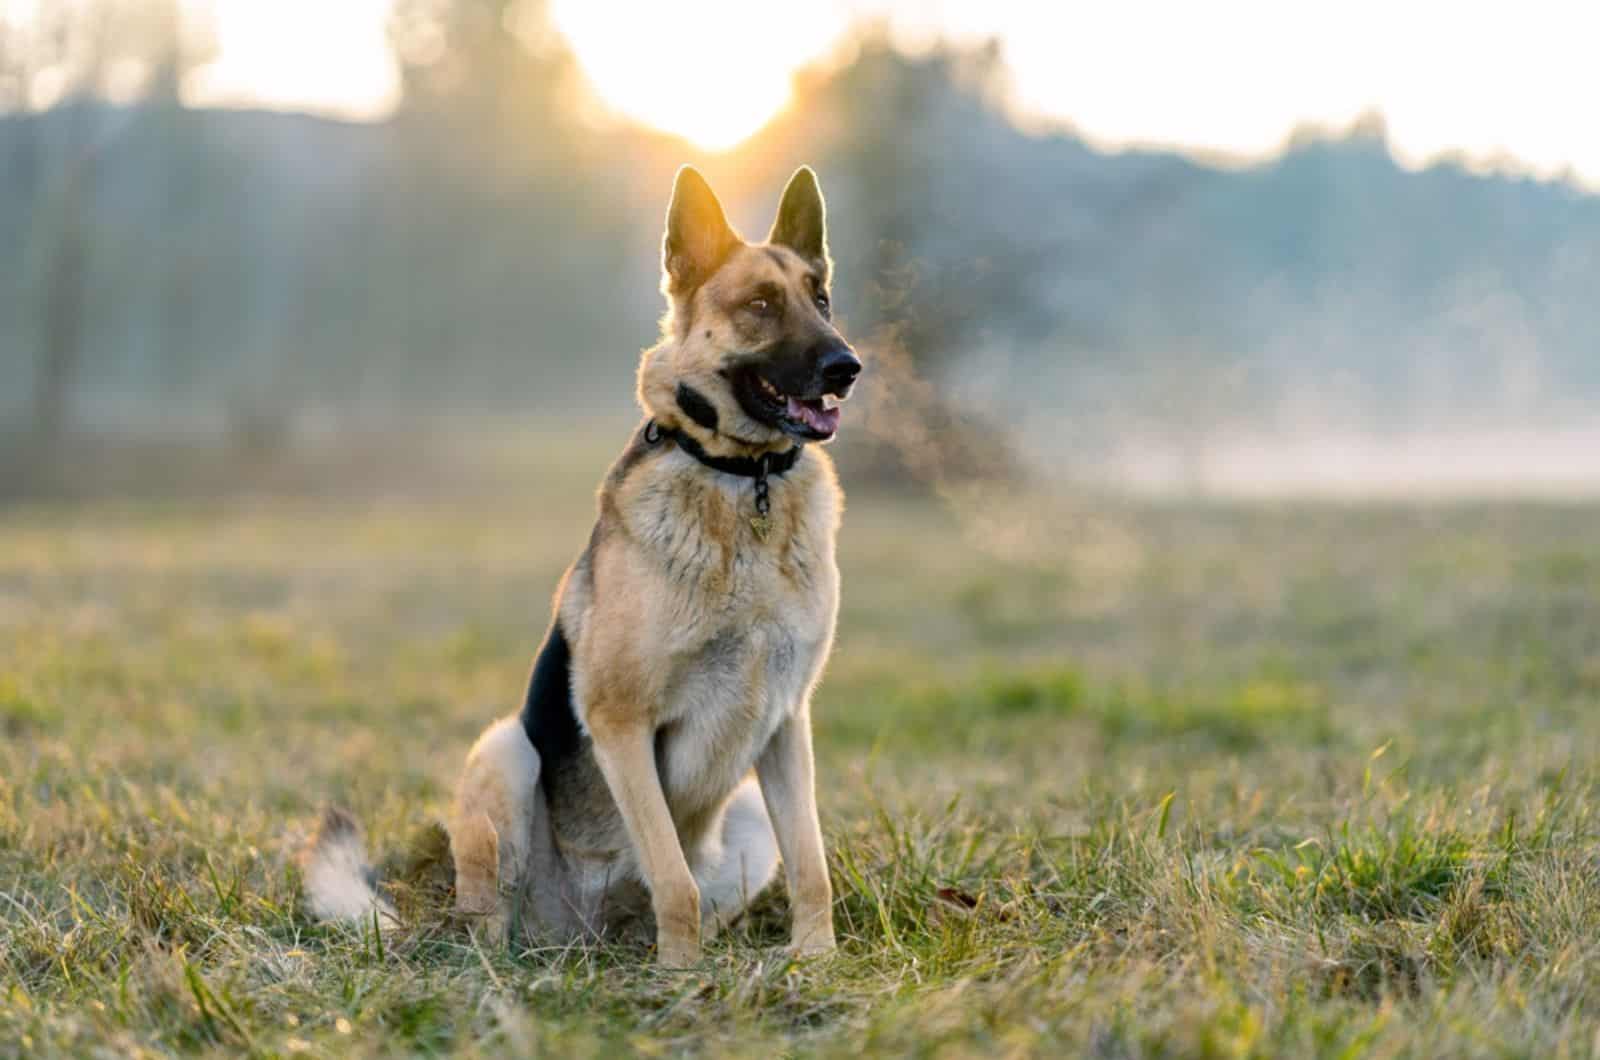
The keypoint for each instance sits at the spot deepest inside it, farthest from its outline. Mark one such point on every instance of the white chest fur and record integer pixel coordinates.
(724, 705)
(754, 623)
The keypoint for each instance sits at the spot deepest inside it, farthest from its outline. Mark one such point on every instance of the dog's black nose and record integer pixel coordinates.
(839, 367)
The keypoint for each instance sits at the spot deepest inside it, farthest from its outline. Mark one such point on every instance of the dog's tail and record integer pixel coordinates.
(339, 882)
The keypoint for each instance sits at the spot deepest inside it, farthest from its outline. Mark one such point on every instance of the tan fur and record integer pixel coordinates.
(695, 641)
(700, 328)
(495, 799)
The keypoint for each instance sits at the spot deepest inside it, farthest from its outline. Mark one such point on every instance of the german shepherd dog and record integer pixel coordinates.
(687, 637)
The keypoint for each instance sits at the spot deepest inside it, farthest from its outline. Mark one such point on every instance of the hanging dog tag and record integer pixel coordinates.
(761, 522)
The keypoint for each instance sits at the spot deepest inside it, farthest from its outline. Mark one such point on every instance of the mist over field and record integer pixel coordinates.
(1322, 320)
(1217, 664)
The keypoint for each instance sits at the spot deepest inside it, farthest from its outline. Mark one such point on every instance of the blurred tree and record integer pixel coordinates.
(513, 211)
(75, 57)
(496, 243)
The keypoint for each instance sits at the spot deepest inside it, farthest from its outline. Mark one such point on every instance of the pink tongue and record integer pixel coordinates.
(823, 421)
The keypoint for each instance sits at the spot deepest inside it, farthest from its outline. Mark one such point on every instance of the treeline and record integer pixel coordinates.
(494, 244)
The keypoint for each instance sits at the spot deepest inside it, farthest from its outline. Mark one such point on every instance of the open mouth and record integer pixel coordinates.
(811, 418)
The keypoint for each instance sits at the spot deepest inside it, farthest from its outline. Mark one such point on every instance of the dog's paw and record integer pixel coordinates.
(489, 930)
(812, 945)
(678, 953)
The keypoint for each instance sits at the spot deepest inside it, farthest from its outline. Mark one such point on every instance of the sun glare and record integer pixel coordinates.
(299, 55)
(711, 71)
(715, 71)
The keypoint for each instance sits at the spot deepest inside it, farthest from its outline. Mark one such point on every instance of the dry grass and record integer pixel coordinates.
(1223, 782)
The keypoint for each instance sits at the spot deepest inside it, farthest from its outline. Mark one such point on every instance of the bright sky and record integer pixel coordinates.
(1494, 80)
(266, 54)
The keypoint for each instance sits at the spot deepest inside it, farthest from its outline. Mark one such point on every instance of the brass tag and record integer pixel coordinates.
(762, 525)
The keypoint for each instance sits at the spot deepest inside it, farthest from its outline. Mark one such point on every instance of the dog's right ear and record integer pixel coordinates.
(698, 236)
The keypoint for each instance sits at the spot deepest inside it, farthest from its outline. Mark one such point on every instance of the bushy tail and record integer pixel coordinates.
(339, 882)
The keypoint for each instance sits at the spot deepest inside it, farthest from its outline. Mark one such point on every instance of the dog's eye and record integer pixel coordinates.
(822, 301)
(758, 305)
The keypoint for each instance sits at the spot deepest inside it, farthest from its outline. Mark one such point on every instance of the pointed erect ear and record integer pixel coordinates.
(698, 236)
(802, 224)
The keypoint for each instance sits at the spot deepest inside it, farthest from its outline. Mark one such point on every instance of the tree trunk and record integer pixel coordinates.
(60, 338)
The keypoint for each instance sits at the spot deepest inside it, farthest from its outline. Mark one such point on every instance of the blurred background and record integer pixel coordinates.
(1254, 248)
(1229, 448)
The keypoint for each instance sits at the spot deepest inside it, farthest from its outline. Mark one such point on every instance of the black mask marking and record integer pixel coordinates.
(695, 406)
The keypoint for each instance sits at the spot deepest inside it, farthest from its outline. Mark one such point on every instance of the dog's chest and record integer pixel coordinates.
(726, 623)
(724, 704)
(758, 617)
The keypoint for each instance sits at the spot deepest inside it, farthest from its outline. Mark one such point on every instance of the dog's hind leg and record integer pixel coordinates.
(492, 824)
(737, 862)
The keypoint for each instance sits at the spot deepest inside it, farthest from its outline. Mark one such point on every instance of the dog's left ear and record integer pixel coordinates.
(802, 223)
(698, 236)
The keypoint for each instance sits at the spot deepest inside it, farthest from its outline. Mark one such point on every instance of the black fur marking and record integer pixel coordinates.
(548, 715)
(697, 407)
(585, 565)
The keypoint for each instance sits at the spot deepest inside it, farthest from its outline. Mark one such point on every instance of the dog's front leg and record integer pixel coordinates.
(624, 746)
(788, 784)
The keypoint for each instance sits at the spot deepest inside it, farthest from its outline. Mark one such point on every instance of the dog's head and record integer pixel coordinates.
(751, 358)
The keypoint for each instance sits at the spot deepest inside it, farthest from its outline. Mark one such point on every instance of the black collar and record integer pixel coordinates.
(747, 466)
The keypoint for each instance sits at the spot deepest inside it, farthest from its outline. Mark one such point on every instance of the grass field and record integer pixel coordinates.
(1219, 781)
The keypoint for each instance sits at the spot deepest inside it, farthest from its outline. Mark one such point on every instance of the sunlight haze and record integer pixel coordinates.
(1498, 83)
(266, 57)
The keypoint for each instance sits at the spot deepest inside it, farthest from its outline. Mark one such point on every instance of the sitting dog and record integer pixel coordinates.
(687, 636)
